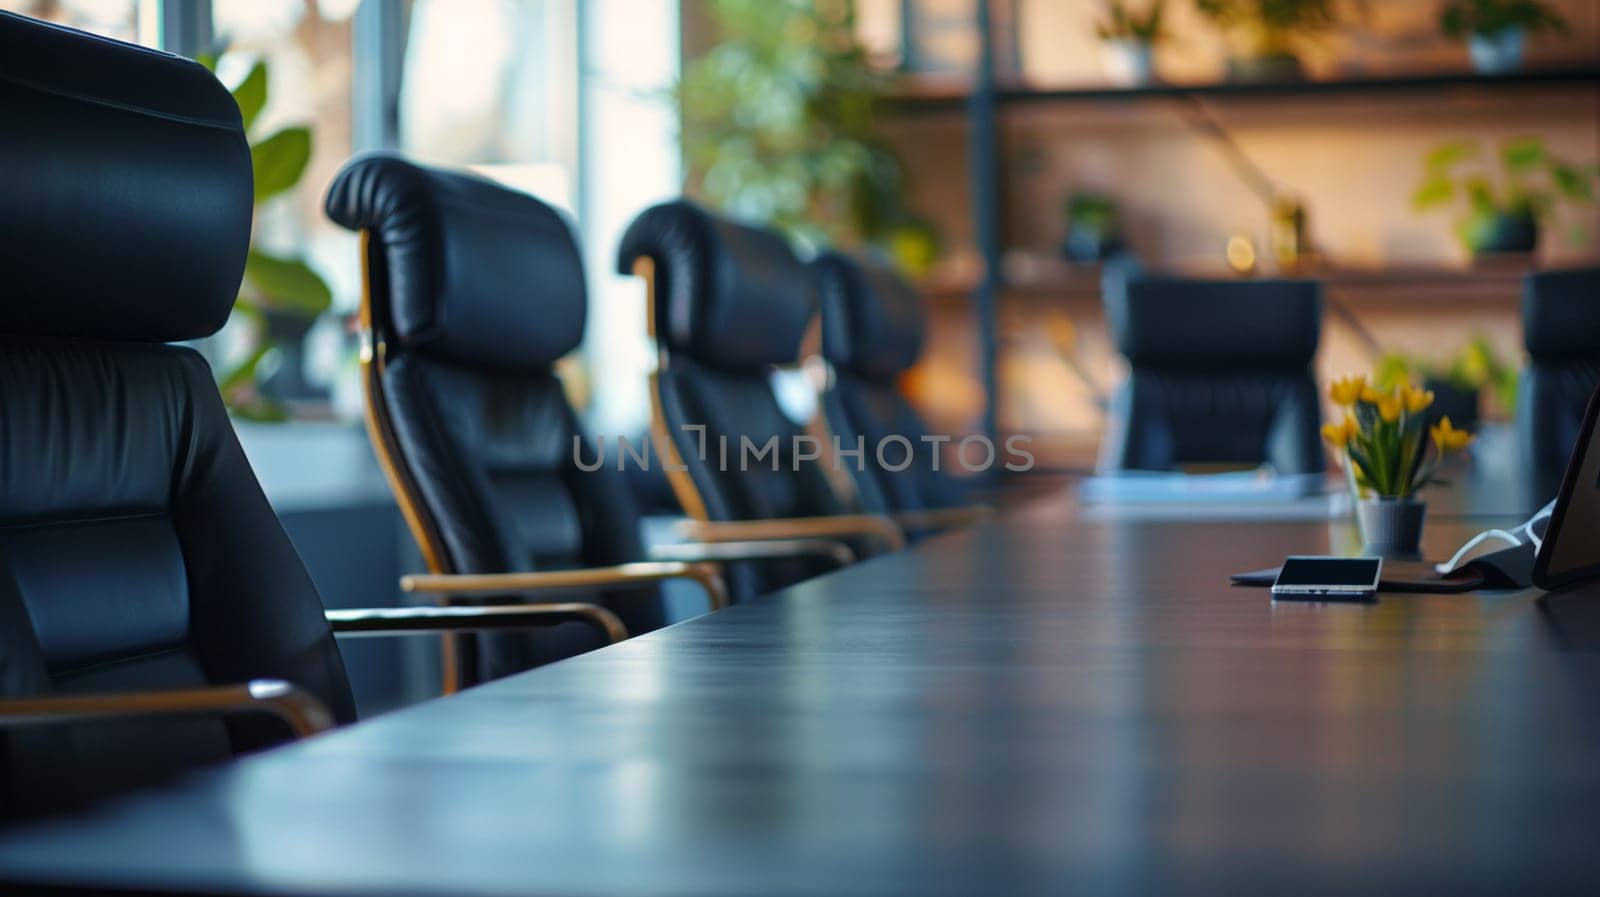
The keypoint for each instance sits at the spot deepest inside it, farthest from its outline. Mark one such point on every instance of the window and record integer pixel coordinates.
(126, 20)
(492, 85)
(305, 49)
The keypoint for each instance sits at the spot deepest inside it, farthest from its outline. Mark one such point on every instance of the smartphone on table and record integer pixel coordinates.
(1308, 578)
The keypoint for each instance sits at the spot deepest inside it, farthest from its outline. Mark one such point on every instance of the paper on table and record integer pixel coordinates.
(1217, 488)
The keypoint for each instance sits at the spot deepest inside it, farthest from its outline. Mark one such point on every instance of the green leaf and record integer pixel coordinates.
(1523, 153)
(1481, 195)
(1367, 469)
(280, 160)
(1450, 154)
(1434, 192)
(1474, 230)
(1572, 182)
(286, 284)
(251, 94)
(245, 371)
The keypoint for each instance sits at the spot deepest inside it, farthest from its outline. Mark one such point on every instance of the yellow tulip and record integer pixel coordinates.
(1389, 408)
(1346, 391)
(1339, 435)
(1416, 399)
(1447, 438)
(1371, 395)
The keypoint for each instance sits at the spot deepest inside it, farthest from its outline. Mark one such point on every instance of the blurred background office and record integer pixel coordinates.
(1417, 157)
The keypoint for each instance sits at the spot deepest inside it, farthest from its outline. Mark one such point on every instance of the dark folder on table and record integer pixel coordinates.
(1508, 569)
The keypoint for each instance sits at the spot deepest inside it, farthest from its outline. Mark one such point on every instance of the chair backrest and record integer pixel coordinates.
(729, 303)
(473, 292)
(1561, 331)
(137, 550)
(1220, 373)
(873, 328)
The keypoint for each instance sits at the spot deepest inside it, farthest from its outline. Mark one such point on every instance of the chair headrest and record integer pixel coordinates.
(127, 185)
(466, 270)
(872, 321)
(1561, 313)
(728, 295)
(1175, 322)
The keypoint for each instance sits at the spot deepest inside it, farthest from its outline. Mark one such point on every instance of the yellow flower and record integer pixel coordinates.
(1345, 391)
(1447, 438)
(1416, 399)
(1371, 395)
(1339, 435)
(1389, 407)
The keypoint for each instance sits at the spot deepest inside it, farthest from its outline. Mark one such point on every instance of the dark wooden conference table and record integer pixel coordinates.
(1041, 704)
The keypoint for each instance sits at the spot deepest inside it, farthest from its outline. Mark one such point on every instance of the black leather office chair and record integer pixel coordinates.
(1561, 330)
(473, 291)
(728, 303)
(147, 591)
(1220, 374)
(872, 332)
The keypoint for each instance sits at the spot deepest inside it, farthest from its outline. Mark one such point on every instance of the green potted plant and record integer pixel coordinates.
(1506, 217)
(1265, 33)
(1129, 38)
(779, 128)
(1390, 452)
(281, 295)
(1458, 384)
(1497, 30)
(1094, 229)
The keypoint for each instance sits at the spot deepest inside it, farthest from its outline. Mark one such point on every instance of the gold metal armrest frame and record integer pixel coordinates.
(941, 518)
(419, 620)
(620, 575)
(884, 530)
(841, 554)
(298, 709)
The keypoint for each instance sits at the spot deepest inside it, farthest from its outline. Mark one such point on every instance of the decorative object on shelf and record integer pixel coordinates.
(1507, 218)
(1497, 30)
(281, 295)
(1459, 383)
(1094, 228)
(1263, 34)
(1128, 41)
(1390, 452)
(1291, 243)
(779, 124)
(1241, 254)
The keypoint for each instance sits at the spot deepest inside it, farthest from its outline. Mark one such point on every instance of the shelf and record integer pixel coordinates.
(945, 97)
(1486, 282)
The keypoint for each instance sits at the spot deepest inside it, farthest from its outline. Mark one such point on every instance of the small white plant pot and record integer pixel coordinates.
(1128, 63)
(1497, 54)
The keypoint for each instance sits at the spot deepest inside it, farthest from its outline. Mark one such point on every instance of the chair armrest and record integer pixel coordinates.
(841, 554)
(298, 709)
(883, 529)
(380, 621)
(620, 575)
(941, 518)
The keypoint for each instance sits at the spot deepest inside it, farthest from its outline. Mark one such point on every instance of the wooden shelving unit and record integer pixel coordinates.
(944, 96)
(1491, 281)
(984, 100)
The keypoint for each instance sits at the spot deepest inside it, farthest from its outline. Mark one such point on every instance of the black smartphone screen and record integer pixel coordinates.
(1349, 573)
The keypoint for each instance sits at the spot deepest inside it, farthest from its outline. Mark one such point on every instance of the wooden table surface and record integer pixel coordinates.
(1038, 705)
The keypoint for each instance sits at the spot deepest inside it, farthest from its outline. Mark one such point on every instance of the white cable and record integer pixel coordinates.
(1526, 528)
